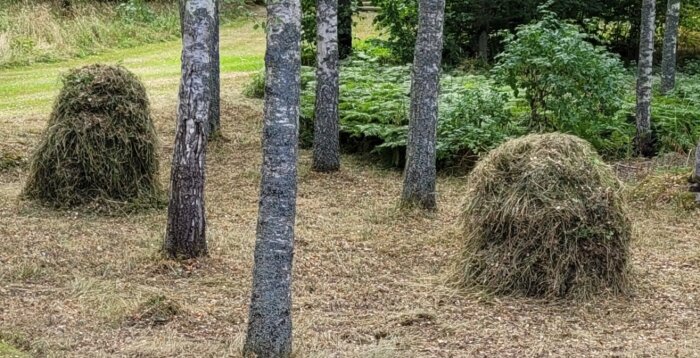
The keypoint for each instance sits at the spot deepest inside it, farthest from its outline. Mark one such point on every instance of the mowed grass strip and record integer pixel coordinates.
(30, 90)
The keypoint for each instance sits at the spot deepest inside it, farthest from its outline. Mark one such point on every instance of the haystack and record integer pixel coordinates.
(100, 143)
(544, 217)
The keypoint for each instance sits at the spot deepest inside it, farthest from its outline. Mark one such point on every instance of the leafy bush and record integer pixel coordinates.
(256, 87)
(466, 20)
(569, 84)
(676, 117)
(473, 115)
(135, 11)
(691, 67)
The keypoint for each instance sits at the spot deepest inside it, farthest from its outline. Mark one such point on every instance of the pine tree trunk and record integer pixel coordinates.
(344, 28)
(186, 230)
(270, 320)
(668, 59)
(420, 174)
(326, 127)
(644, 80)
(215, 116)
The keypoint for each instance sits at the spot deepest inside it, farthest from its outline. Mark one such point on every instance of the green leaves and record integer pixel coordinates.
(474, 116)
(570, 85)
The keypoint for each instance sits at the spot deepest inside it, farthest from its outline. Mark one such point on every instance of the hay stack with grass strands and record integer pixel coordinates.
(543, 217)
(100, 143)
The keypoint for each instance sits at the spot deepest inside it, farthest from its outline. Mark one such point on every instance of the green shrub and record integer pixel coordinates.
(569, 84)
(256, 87)
(474, 115)
(676, 117)
(465, 20)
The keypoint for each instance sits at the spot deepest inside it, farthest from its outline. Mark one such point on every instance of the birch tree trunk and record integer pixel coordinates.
(696, 175)
(344, 28)
(644, 79)
(215, 116)
(270, 321)
(326, 127)
(420, 173)
(668, 59)
(186, 229)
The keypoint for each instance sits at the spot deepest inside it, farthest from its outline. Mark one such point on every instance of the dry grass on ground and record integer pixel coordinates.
(368, 280)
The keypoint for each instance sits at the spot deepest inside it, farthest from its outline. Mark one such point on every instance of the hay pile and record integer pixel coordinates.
(544, 217)
(100, 143)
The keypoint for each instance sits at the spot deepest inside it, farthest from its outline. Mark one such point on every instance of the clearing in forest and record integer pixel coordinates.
(368, 279)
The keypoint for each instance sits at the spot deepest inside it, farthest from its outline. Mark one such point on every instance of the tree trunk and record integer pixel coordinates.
(215, 109)
(344, 28)
(419, 177)
(668, 59)
(186, 230)
(644, 79)
(270, 321)
(484, 46)
(326, 127)
(696, 174)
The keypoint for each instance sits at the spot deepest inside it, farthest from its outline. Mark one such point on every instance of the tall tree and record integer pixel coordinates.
(214, 120)
(215, 109)
(668, 59)
(186, 229)
(420, 173)
(644, 140)
(270, 320)
(326, 126)
(695, 178)
(345, 28)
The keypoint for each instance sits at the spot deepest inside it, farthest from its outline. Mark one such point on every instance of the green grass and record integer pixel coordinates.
(8, 351)
(31, 89)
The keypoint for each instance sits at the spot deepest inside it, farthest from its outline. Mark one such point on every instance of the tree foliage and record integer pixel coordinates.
(465, 20)
(569, 84)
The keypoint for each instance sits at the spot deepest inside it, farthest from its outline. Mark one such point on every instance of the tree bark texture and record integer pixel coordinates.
(270, 321)
(484, 46)
(186, 229)
(215, 115)
(696, 173)
(344, 28)
(668, 58)
(326, 146)
(644, 79)
(420, 173)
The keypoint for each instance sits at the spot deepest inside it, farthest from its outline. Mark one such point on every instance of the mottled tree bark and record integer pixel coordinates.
(326, 126)
(644, 145)
(344, 28)
(695, 182)
(420, 173)
(270, 321)
(668, 59)
(215, 109)
(186, 230)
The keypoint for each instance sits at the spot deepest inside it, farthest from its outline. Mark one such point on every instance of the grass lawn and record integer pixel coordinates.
(368, 279)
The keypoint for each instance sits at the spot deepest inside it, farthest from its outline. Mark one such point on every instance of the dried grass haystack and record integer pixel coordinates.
(100, 143)
(544, 217)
